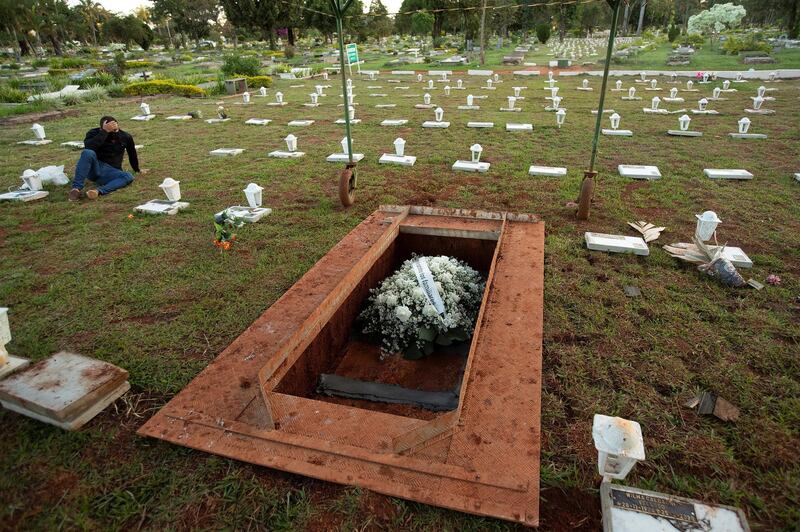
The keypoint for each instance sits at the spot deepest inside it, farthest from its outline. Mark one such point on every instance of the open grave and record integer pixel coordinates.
(476, 451)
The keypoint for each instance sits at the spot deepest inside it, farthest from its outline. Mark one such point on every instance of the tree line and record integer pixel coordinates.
(27, 25)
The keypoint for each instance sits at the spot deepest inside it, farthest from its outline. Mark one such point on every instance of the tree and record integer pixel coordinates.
(720, 17)
(191, 17)
(642, 7)
(129, 29)
(378, 22)
(422, 23)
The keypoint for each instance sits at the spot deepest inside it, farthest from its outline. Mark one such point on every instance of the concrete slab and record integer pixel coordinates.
(143, 118)
(300, 123)
(718, 173)
(13, 364)
(679, 133)
(402, 160)
(343, 157)
(35, 142)
(469, 166)
(386, 106)
(480, 125)
(179, 117)
(281, 154)
(748, 135)
(257, 121)
(65, 390)
(616, 243)
(162, 207)
(398, 122)
(74, 144)
(519, 127)
(549, 171)
(436, 125)
(247, 214)
(630, 509)
(226, 152)
(618, 132)
(736, 255)
(639, 171)
(217, 120)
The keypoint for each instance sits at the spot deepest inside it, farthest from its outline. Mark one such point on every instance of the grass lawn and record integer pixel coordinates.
(708, 57)
(154, 296)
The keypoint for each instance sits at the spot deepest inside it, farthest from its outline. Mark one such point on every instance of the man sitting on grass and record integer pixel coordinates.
(101, 160)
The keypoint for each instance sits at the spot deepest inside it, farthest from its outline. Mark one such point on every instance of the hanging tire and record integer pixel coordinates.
(347, 185)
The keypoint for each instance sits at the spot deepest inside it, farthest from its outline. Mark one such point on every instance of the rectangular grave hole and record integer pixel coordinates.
(340, 349)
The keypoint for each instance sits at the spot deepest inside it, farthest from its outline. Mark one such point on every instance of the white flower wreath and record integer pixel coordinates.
(402, 317)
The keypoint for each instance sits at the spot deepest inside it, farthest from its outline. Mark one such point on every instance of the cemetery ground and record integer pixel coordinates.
(154, 296)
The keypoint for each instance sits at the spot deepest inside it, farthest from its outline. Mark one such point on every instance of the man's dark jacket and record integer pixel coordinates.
(110, 147)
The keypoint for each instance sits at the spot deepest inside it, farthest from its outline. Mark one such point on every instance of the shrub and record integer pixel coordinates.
(288, 52)
(255, 82)
(694, 39)
(673, 33)
(239, 65)
(734, 45)
(162, 86)
(12, 95)
(116, 90)
(139, 63)
(58, 72)
(102, 79)
(67, 62)
(543, 33)
(39, 63)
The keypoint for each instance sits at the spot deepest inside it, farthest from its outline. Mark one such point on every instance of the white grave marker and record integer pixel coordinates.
(399, 157)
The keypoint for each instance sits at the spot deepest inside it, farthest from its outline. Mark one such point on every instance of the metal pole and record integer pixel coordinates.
(600, 109)
(344, 86)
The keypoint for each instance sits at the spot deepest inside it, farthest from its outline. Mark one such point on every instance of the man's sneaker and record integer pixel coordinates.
(92, 194)
(74, 194)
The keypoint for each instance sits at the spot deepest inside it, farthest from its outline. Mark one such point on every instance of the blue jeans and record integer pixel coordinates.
(107, 178)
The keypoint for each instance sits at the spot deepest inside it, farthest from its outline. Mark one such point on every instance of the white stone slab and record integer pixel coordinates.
(469, 166)
(618, 132)
(616, 243)
(480, 125)
(484, 73)
(424, 106)
(706, 112)
(760, 111)
(246, 214)
(343, 157)
(469, 107)
(403, 88)
(402, 73)
(514, 110)
(257, 121)
(673, 100)
(386, 106)
(437, 125)
(737, 257)
(550, 171)
(13, 364)
(179, 117)
(216, 120)
(353, 121)
(226, 152)
(74, 144)
(281, 154)
(378, 95)
(748, 135)
(650, 111)
(311, 105)
(301, 123)
(718, 173)
(633, 510)
(797, 176)
(277, 104)
(24, 195)
(398, 122)
(605, 111)
(639, 171)
(526, 72)
(162, 207)
(402, 160)
(143, 118)
(679, 133)
(35, 142)
(519, 127)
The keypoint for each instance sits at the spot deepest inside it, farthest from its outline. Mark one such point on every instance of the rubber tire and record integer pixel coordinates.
(585, 198)
(347, 193)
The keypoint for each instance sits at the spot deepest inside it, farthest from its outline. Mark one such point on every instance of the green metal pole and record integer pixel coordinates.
(601, 107)
(344, 86)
